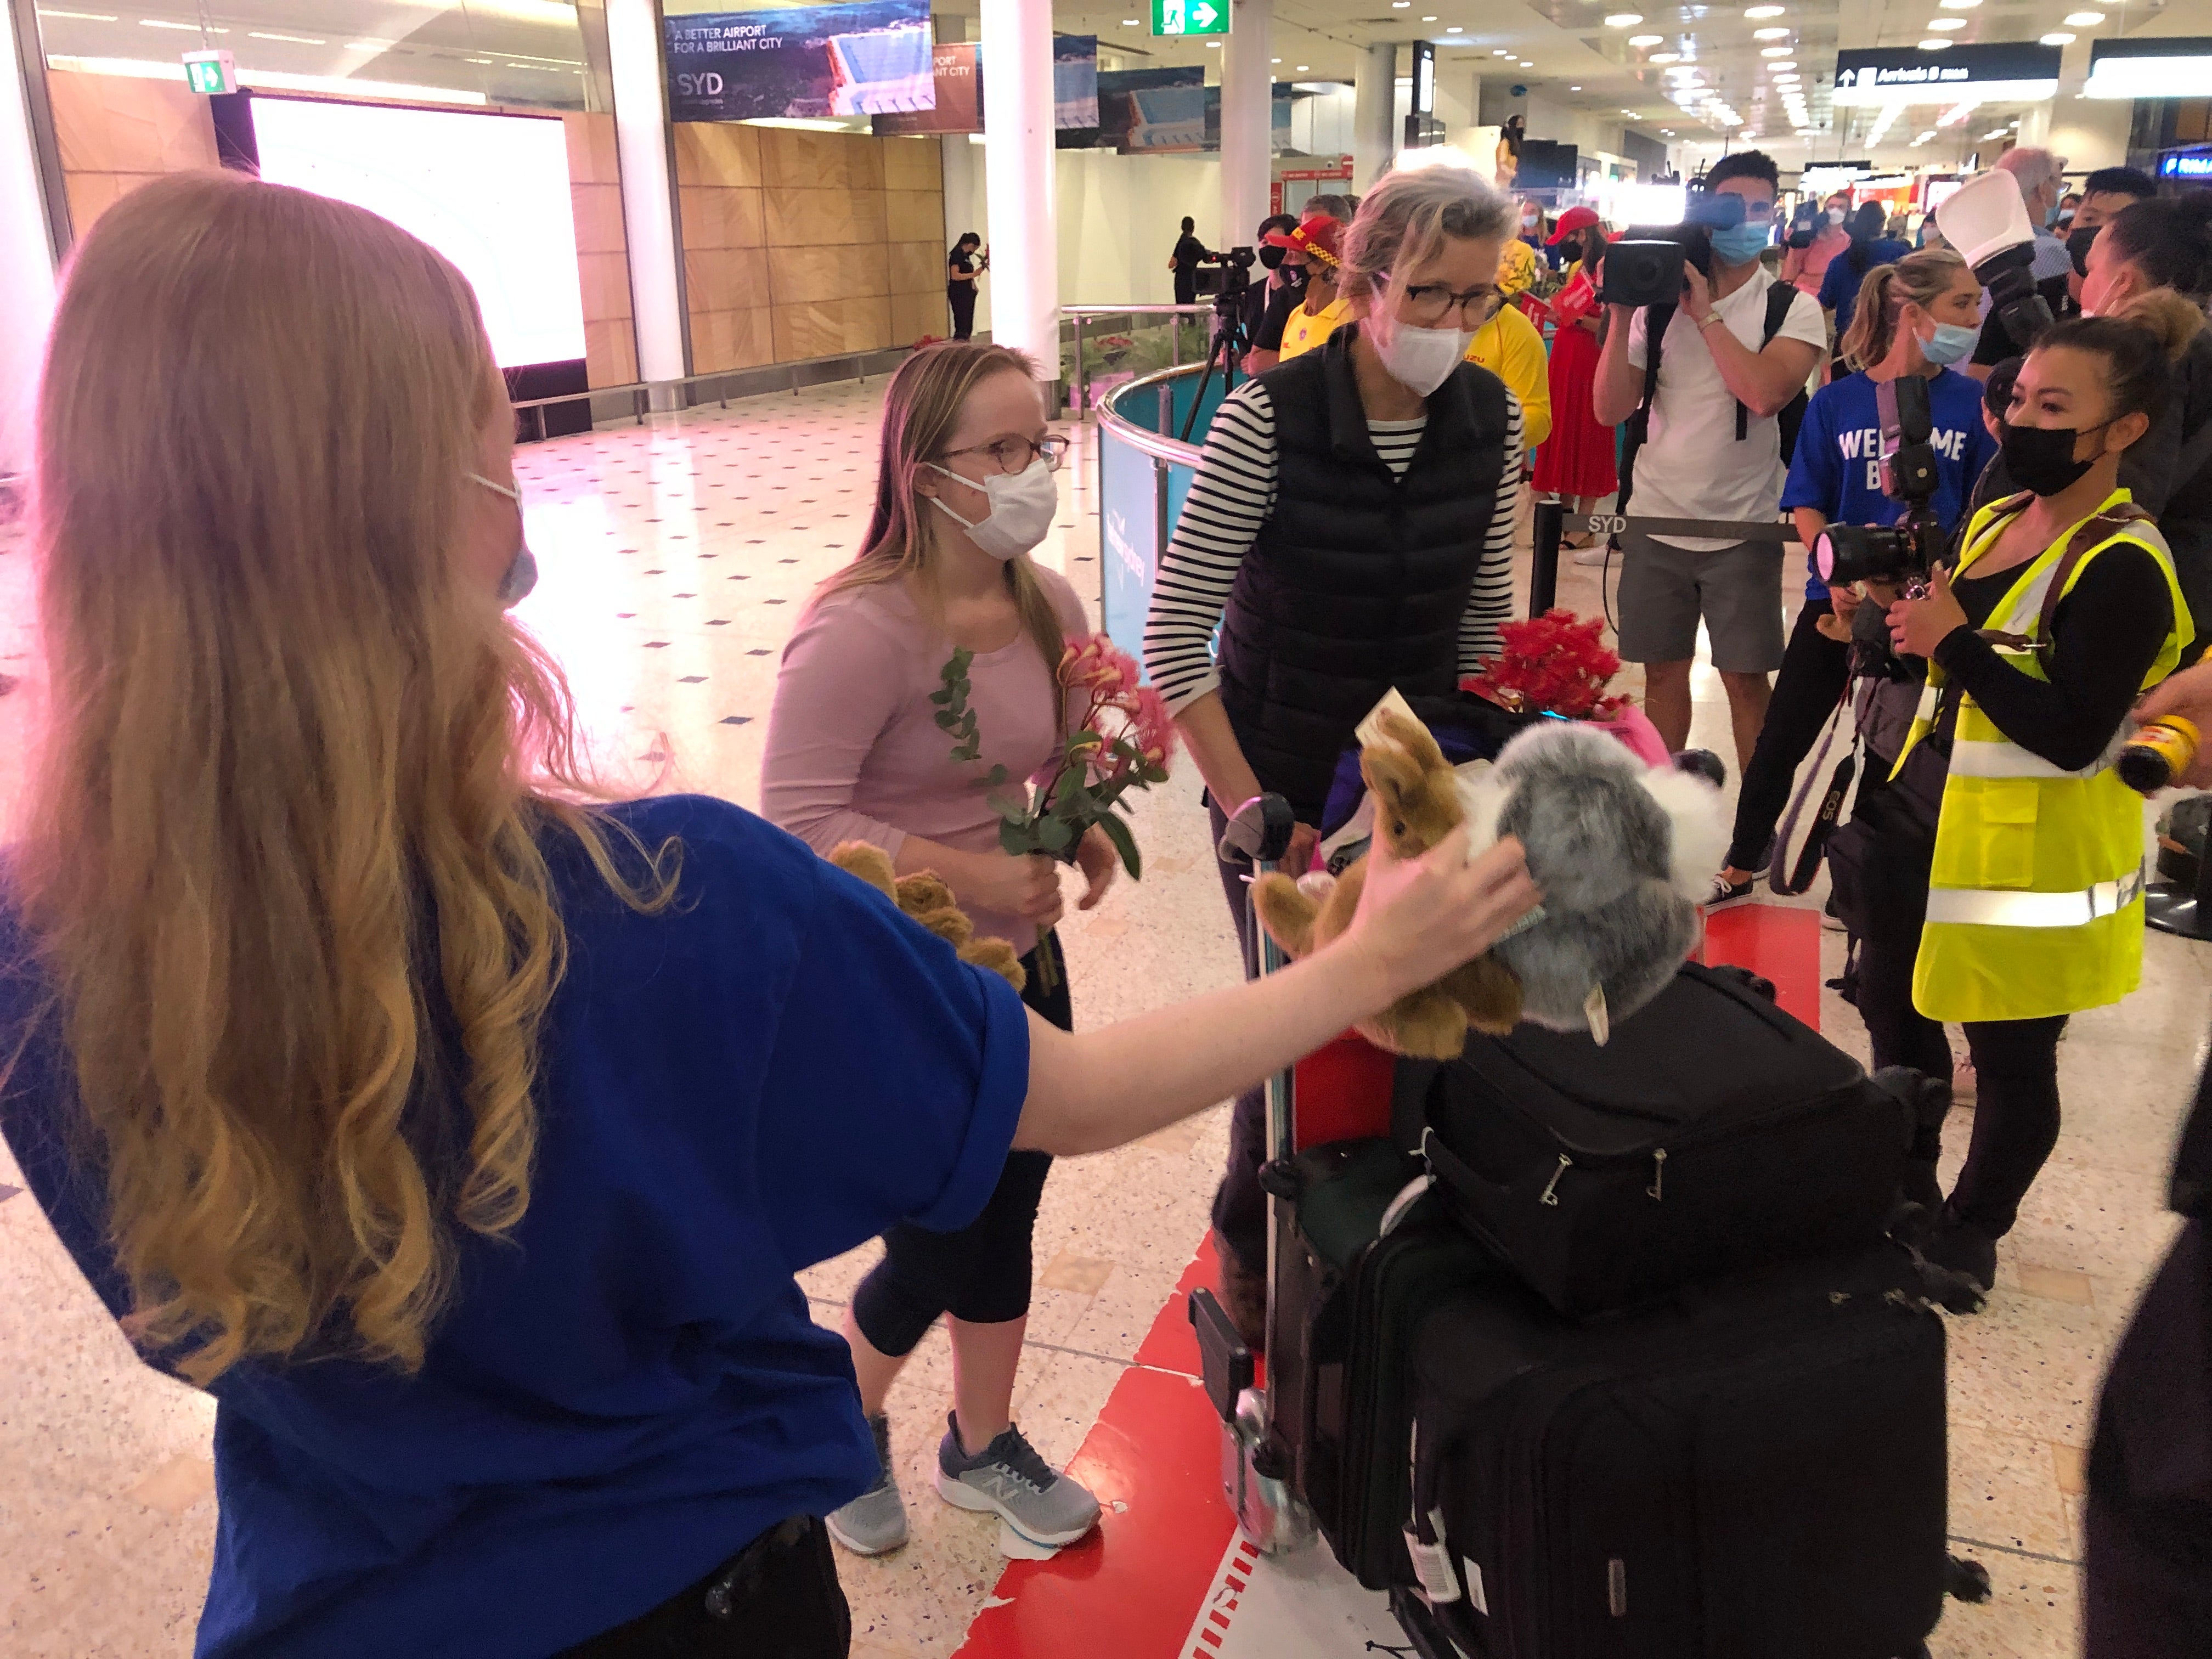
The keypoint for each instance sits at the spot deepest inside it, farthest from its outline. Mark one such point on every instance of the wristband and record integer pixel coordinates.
(1711, 317)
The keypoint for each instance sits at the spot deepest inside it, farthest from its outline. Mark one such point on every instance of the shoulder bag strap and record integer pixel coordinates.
(2089, 533)
(1781, 877)
(1780, 296)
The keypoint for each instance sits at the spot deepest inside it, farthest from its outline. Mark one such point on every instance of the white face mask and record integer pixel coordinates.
(1022, 508)
(1422, 359)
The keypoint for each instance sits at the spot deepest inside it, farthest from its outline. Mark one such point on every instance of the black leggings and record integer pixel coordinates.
(981, 1274)
(2016, 1083)
(778, 1598)
(961, 296)
(1814, 669)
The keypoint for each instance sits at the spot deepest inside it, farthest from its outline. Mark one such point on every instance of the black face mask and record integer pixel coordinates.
(1271, 257)
(2077, 243)
(1294, 276)
(2041, 458)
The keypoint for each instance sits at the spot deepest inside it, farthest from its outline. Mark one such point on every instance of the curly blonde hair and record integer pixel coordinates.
(288, 811)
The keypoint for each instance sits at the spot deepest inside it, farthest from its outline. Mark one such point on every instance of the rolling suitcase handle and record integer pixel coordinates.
(1254, 1467)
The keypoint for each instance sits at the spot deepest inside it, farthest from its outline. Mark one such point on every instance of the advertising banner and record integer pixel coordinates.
(1075, 80)
(858, 59)
(1153, 109)
(956, 73)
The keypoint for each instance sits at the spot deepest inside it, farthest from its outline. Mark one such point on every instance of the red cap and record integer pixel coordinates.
(1317, 237)
(1574, 219)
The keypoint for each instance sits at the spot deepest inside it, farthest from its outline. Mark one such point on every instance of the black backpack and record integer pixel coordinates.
(1779, 298)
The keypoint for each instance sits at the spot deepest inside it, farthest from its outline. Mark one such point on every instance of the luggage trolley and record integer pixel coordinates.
(1257, 1476)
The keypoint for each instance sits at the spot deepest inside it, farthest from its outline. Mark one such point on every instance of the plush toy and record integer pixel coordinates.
(1623, 852)
(926, 898)
(1418, 802)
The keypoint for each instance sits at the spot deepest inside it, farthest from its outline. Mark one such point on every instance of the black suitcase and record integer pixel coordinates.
(1756, 1471)
(1355, 1297)
(1711, 1133)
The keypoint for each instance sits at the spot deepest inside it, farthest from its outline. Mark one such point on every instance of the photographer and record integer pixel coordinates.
(1350, 530)
(1287, 287)
(2063, 609)
(1729, 360)
(1189, 254)
(1804, 267)
(2041, 177)
(1916, 317)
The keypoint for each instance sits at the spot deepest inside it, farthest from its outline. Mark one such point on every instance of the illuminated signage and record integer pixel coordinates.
(1891, 75)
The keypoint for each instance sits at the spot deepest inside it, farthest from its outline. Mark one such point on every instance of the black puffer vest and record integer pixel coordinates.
(1358, 582)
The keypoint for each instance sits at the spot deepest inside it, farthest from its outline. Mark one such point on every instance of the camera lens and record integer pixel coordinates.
(1845, 553)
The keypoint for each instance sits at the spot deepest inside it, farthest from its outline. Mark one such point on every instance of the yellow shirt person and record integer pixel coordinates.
(1510, 347)
(1305, 329)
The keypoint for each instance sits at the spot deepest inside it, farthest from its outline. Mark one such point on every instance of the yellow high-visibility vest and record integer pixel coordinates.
(2035, 897)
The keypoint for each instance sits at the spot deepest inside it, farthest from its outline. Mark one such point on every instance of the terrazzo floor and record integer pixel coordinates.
(675, 559)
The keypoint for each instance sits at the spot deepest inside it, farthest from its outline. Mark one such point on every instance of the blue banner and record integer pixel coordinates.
(1075, 80)
(858, 59)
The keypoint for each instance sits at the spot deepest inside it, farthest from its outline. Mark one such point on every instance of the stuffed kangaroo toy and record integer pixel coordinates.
(1418, 802)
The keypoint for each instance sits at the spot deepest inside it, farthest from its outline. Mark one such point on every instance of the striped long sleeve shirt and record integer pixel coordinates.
(1232, 496)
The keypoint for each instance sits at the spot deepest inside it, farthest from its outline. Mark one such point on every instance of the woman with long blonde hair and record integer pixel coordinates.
(964, 491)
(461, 1138)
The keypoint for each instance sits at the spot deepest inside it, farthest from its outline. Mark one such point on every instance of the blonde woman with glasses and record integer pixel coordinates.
(1350, 530)
(965, 491)
(458, 1131)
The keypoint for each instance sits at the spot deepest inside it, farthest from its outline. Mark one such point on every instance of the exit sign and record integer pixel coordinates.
(211, 72)
(1190, 16)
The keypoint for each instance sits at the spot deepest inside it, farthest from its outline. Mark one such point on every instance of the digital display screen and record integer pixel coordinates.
(490, 192)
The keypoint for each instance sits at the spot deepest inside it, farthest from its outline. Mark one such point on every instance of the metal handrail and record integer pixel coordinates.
(1080, 382)
(640, 392)
(1158, 445)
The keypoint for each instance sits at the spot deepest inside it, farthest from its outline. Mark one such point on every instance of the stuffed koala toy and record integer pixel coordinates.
(1418, 802)
(926, 899)
(1624, 854)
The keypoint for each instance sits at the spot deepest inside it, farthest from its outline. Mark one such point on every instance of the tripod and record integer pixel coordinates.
(1232, 338)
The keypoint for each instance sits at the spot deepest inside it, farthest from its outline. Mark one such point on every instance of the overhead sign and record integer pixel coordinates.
(211, 72)
(1892, 74)
(866, 58)
(1190, 16)
(2175, 66)
(2185, 164)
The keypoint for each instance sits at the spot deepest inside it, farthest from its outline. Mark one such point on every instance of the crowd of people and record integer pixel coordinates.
(337, 1037)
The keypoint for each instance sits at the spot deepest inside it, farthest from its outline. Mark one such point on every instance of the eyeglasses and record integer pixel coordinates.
(1015, 454)
(1425, 305)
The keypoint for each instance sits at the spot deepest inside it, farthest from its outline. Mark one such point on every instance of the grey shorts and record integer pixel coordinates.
(1736, 589)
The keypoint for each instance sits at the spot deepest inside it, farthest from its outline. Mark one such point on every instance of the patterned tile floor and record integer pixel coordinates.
(675, 559)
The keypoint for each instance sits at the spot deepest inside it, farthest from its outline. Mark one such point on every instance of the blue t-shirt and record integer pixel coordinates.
(1839, 283)
(1837, 470)
(772, 1070)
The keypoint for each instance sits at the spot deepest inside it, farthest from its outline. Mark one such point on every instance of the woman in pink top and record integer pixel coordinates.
(964, 489)
(1804, 267)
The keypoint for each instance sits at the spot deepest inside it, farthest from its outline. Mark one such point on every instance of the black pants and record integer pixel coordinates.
(961, 296)
(1814, 669)
(778, 1598)
(1240, 1208)
(2148, 1560)
(2016, 1083)
(981, 1274)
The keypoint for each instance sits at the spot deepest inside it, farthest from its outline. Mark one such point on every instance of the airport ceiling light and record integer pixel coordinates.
(2177, 66)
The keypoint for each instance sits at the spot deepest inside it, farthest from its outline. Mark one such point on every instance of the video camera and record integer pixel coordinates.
(1904, 552)
(1232, 274)
(1986, 220)
(1645, 267)
(1806, 224)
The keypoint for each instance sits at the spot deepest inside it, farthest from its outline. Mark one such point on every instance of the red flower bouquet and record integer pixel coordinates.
(1554, 664)
(1119, 741)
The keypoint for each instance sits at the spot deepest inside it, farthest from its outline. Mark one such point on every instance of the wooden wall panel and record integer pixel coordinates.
(116, 132)
(602, 250)
(835, 276)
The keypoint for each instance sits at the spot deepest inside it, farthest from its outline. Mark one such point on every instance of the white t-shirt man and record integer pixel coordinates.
(1692, 465)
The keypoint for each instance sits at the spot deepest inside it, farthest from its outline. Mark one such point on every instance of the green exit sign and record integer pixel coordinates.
(211, 72)
(1190, 16)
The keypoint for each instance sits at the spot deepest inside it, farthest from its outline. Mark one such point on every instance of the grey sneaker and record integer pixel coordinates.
(874, 1524)
(1007, 1478)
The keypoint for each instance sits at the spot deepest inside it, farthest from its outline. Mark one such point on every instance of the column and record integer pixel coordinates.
(1247, 122)
(26, 259)
(1017, 131)
(636, 67)
(1375, 96)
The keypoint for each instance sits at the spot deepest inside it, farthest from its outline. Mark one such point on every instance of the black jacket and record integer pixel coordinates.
(1358, 581)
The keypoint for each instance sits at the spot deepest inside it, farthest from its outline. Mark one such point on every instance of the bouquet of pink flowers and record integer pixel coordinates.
(1119, 741)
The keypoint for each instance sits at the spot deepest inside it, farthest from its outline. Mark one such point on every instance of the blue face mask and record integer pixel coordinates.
(1739, 243)
(1949, 345)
